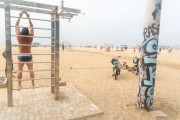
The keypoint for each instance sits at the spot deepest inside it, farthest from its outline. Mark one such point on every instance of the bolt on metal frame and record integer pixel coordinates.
(37, 8)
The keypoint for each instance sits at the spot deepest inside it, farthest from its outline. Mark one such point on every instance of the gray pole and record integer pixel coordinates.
(149, 54)
(8, 53)
(53, 15)
(56, 88)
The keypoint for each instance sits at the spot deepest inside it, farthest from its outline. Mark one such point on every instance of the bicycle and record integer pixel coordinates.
(136, 66)
(117, 67)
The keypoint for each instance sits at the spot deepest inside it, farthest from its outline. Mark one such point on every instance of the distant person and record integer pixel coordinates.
(63, 46)
(139, 49)
(170, 50)
(159, 49)
(24, 51)
(108, 49)
(4, 55)
(117, 48)
(134, 49)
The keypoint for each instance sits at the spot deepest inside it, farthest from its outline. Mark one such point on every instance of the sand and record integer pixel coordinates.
(90, 71)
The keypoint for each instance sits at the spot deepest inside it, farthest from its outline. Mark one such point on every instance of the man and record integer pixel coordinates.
(4, 55)
(24, 51)
(63, 46)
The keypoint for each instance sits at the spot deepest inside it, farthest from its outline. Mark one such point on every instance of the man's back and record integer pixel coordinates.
(24, 40)
(25, 32)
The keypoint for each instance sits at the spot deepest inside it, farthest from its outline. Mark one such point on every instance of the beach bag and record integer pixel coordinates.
(114, 61)
(135, 60)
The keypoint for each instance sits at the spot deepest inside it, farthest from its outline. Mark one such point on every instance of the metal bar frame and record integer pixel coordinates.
(32, 19)
(31, 9)
(1, 5)
(32, 62)
(30, 36)
(30, 4)
(56, 55)
(34, 28)
(39, 8)
(40, 86)
(31, 79)
(52, 51)
(32, 45)
(37, 54)
(8, 53)
(33, 70)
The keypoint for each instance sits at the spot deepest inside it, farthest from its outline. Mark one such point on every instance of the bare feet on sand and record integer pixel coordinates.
(19, 88)
(33, 86)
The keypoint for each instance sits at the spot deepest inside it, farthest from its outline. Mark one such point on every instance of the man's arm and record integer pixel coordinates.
(30, 24)
(17, 30)
(31, 27)
(4, 54)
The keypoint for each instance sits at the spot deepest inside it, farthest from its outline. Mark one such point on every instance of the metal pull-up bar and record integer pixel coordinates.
(66, 12)
(9, 5)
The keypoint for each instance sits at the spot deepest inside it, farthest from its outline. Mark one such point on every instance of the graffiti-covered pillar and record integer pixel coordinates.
(149, 54)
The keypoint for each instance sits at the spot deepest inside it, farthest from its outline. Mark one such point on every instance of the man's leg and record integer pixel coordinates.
(30, 67)
(19, 74)
(6, 71)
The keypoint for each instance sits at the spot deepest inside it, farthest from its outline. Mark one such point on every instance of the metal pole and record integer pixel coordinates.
(33, 19)
(52, 51)
(57, 56)
(30, 4)
(8, 53)
(149, 54)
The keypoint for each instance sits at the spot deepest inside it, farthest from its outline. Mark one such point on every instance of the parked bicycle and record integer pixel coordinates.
(136, 65)
(117, 67)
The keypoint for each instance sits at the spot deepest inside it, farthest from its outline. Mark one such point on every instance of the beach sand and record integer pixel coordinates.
(90, 71)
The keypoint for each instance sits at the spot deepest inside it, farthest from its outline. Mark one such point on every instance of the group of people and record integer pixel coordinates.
(24, 56)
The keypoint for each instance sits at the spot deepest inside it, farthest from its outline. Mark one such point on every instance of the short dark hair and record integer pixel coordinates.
(25, 31)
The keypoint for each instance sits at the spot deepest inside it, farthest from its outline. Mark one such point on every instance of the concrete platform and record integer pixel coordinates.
(3, 82)
(39, 104)
(158, 114)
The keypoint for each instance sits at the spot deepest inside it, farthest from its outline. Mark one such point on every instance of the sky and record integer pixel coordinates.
(117, 22)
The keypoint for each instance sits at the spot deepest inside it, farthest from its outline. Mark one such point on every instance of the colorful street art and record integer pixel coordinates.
(148, 59)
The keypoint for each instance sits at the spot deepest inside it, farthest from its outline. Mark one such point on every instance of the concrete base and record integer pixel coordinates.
(158, 115)
(3, 82)
(40, 104)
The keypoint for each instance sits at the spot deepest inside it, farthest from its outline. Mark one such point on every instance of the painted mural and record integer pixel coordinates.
(148, 59)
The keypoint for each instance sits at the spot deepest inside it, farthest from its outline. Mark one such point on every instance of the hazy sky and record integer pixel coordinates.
(107, 22)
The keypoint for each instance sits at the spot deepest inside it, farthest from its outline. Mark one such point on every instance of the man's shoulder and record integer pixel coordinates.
(24, 39)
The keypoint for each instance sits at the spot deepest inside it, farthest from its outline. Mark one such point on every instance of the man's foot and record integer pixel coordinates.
(33, 86)
(19, 88)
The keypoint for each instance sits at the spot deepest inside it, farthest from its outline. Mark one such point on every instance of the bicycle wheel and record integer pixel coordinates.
(116, 73)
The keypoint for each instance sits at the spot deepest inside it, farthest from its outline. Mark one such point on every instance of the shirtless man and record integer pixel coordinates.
(24, 51)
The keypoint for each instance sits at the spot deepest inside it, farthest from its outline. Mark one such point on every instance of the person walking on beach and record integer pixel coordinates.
(134, 49)
(63, 46)
(4, 55)
(140, 49)
(159, 49)
(24, 51)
